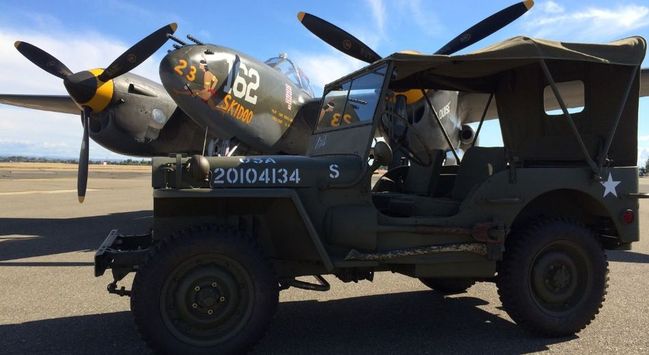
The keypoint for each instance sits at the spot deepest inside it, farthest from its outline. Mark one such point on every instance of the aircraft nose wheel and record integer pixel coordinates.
(207, 298)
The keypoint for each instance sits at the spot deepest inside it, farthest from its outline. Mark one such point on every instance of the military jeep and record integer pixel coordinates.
(533, 216)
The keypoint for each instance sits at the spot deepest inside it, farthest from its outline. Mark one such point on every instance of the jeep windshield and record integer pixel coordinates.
(351, 102)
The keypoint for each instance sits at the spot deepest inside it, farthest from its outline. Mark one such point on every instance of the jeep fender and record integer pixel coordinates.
(285, 224)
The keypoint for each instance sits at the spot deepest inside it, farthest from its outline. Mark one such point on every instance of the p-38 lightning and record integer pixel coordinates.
(252, 106)
(216, 100)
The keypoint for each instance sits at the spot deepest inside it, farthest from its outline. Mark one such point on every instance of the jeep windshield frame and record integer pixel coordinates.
(350, 105)
(352, 100)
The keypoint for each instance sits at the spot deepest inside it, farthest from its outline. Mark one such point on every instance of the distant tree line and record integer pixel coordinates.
(643, 170)
(22, 159)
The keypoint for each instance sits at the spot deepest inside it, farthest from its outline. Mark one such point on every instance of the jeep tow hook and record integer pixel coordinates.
(122, 291)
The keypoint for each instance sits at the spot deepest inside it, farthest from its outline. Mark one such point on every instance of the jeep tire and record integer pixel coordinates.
(206, 290)
(553, 277)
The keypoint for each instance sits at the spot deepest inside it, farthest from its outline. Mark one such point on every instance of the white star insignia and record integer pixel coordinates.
(609, 186)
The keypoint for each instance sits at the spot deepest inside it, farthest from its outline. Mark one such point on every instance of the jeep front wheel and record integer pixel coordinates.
(553, 278)
(205, 291)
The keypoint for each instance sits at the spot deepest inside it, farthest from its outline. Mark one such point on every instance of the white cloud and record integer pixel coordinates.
(586, 24)
(91, 50)
(322, 68)
(552, 7)
(42, 133)
(423, 15)
(378, 12)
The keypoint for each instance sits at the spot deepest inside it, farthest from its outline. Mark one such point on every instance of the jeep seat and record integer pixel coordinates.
(419, 180)
(478, 165)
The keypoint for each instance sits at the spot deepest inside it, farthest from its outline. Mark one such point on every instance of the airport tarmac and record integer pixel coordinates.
(50, 301)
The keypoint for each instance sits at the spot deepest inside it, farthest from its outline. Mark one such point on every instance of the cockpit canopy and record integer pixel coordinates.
(292, 71)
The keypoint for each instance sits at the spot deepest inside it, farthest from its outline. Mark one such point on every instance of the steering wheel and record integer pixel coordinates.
(402, 141)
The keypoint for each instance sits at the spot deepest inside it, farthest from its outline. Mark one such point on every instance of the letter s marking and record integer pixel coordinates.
(334, 171)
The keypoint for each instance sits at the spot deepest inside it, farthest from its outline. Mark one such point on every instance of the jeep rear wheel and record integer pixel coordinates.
(207, 291)
(447, 286)
(553, 278)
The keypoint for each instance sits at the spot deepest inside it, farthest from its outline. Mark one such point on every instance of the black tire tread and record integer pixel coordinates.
(510, 293)
(186, 238)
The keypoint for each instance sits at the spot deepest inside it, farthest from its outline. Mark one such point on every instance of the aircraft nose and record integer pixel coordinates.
(195, 70)
(173, 69)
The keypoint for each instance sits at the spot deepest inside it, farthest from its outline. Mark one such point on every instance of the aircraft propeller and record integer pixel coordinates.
(486, 27)
(338, 38)
(92, 90)
(352, 46)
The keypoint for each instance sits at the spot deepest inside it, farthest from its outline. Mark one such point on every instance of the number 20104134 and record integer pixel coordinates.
(245, 176)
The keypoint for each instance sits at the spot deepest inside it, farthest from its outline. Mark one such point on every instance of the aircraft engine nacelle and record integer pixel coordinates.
(134, 121)
(140, 107)
(180, 134)
(106, 130)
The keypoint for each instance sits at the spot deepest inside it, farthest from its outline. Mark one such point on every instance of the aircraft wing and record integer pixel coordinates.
(54, 103)
(471, 105)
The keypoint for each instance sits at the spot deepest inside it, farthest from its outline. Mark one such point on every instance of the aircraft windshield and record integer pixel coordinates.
(293, 72)
(352, 101)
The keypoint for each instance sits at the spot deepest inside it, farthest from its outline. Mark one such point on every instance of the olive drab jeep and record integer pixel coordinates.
(533, 216)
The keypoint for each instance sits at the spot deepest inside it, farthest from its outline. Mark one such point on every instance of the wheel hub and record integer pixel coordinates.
(207, 297)
(199, 294)
(555, 279)
(205, 300)
(560, 277)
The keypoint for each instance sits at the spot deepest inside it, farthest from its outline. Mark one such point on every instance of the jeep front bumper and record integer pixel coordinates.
(121, 253)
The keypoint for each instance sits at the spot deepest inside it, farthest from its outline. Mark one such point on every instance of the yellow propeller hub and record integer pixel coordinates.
(103, 94)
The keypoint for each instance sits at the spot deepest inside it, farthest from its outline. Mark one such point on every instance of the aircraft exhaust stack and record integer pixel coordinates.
(467, 134)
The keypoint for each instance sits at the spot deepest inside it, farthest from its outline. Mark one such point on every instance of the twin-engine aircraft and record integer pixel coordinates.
(215, 100)
(228, 103)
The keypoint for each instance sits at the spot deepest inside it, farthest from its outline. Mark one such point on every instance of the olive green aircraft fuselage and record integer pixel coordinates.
(234, 95)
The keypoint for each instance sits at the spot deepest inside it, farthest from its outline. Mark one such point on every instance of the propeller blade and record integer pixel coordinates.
(486, 27)
(138, 53)
(82, 172)
(42, 59)
(338, 38)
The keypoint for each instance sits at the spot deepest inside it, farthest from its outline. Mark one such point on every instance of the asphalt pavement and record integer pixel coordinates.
(50, 301)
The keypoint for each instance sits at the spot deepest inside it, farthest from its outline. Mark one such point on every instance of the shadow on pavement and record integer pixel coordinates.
(43, 236)
(404, 323)
(627, 256)
(110, 333)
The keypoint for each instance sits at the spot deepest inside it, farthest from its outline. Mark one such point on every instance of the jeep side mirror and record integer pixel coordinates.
(382, 155)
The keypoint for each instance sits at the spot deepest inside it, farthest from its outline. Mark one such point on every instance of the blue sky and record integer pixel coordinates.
(86, 35)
